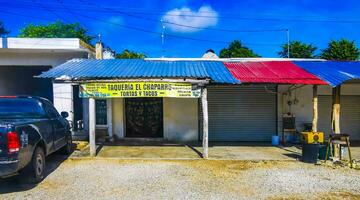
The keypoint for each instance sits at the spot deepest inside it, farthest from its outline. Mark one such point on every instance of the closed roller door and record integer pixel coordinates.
(19, 80)
(349, 115)
(241, 113)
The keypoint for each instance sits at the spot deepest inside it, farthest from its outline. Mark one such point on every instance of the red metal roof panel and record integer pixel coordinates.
(282, 72)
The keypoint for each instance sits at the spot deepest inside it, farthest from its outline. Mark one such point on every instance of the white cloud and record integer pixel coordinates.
(186, 16)
(107, 26)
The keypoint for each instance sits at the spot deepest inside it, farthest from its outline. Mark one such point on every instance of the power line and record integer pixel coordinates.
(154, 32)
(50, 11)
(169, 35)
(189, 26)
(193, 27)
(232, 17)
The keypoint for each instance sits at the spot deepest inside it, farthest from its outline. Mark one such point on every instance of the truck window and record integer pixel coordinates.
(50, 110)
(20, 107)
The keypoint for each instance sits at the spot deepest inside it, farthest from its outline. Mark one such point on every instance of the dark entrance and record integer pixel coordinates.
(78, 109)
(144, 117)
(19, 80)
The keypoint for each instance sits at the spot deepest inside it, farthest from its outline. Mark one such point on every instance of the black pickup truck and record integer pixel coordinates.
(30, 129)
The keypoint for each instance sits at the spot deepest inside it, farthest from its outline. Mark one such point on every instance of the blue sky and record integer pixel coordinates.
(314, 22)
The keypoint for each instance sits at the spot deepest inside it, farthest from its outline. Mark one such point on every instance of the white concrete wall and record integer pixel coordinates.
(180, 119)
(42, 58)
(63, 98)
(40, 43)
(118, 118)
(303, 109)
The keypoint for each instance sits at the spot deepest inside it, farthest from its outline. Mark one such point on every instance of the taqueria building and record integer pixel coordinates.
(191, 100)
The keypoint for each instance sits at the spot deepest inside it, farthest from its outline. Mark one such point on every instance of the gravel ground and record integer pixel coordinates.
(190, 179)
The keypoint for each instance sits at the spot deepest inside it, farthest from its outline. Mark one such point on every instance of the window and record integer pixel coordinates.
(20, 107)
(101, 112)
(50, 110)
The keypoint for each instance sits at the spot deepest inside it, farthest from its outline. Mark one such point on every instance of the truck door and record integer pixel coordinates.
(58, 126)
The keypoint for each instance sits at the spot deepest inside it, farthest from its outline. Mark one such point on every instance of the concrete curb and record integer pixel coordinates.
(176, 159)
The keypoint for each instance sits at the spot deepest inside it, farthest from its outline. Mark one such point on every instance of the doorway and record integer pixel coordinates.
(77, 109)
(144, 117)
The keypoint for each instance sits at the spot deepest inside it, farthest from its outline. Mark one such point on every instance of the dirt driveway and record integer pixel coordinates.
(185, 179)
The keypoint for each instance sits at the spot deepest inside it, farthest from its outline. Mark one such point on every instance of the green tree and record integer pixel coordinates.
(341, 50)
(237, 50)
(3, 31)
(127, 54)
(56, 29)
(298, 50)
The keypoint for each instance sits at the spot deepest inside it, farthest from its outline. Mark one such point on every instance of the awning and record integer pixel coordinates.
(138, 68)
(333, 72)
(277, 72)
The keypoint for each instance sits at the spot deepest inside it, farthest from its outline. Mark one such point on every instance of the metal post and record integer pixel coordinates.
(205, 123)
(92, 126)
(288, 42)
(109, 119)
(315, 108)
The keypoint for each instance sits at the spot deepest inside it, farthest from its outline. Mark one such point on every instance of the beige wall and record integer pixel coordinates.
(303, 109)
(118, 117)
(181, 119)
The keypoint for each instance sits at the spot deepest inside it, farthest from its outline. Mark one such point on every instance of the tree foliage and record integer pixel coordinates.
(56, 29)
(127, 54)
(3, 31)
(237, 50)
(298, 50)
(341, 50)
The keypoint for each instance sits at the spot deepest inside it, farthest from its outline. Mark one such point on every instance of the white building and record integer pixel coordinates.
(23, 58)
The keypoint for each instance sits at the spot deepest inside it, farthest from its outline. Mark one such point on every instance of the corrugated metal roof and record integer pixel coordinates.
(283, 72)
(139, 68)
(333, 72)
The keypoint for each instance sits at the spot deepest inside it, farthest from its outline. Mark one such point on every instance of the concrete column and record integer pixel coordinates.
(109, 119)
(98, 50)
(205, 127)
(92, 126)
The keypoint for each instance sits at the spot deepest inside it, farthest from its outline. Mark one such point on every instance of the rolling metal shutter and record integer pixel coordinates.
(349, 115)
(241, 113)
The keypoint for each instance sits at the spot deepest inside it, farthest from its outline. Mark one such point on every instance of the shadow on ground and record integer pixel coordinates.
(21, 182)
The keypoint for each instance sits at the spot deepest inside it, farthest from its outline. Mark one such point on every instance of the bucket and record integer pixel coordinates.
(275, 140)
(290, 138)
(310, 153)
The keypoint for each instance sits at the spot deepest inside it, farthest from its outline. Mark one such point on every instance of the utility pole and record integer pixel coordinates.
(163, 37)
(288, 42)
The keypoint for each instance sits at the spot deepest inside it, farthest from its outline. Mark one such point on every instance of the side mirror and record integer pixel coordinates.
(64, 114)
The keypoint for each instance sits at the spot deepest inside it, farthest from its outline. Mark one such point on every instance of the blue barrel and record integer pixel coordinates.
(275, 140)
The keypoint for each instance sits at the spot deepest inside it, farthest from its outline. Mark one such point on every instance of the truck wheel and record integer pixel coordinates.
(67, 149)
(37, 165)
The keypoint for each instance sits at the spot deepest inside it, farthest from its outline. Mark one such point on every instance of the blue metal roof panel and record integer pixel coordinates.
(333, 72)
(138, 68)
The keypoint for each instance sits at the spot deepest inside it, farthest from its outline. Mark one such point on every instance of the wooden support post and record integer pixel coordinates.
(109, 119)
(205, 127)
(92, 126)
(336, 116)
(315, 109)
